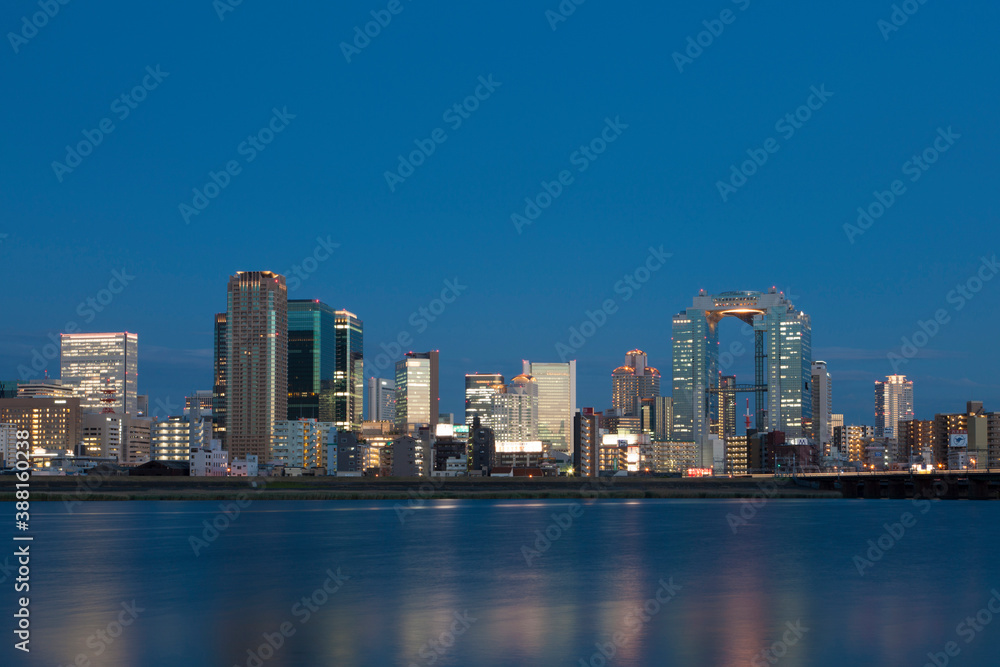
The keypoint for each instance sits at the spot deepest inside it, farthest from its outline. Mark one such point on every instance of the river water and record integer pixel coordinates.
(650, 582)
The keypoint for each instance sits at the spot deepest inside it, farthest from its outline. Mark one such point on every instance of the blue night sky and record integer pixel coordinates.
(887, 94)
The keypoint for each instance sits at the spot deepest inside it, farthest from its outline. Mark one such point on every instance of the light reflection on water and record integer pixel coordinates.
(791, 562)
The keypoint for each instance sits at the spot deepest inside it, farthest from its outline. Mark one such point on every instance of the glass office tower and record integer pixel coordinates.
(417, 390)
(311, 360)
(479, 390)
(104, 368)
(556, 402)
(349, 375)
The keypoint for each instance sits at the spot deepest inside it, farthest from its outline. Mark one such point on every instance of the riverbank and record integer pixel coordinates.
(333, 488)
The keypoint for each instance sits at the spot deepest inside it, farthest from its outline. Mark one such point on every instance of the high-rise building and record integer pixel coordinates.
(514, 412)
(52, 423)
(782, 363)
(556, 402)
(349, 377)
(417, 391)
(256, 361)
(893, 404)
(48, 388)
(219, 385)
(663, 418)
(300, 443)
(726, 425)
(851, 441)
(175, 438)
(312, 359)
(8, 388)
(381, 400)
(632, 382)
(479, 390)
(587, 442)
(916, 439)
(201, 403)
(105, 368)
(822, 406)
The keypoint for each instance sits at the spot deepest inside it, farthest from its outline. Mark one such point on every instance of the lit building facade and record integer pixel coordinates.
(479, 390)
(381, 400)
(633, 382)
(300, 443)
(175, 438)
(514, 412)
(256, 361)
(893, 404)
(822, 406)
(349, 376)
(52, 423)
(104, 367)
(782, 356)
(556, 402)
(220, 359)
(312, 359)
(417, 391)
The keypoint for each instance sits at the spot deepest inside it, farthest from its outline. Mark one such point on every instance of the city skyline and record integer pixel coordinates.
(743, 354)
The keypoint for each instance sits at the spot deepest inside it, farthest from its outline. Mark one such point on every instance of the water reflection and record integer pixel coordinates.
(409, 582)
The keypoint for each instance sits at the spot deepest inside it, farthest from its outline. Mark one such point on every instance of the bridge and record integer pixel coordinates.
(944, 484)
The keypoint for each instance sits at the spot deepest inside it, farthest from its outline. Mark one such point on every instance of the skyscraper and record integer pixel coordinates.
(104, 366)
(219, 384)
(479, 389)
(256, 361)
(514, 411)
(822, 406)
(556, 402)
(381, 400)
(782, 363)
(349, 377)
(632, 382)
(417, 391)
(726, 427)
(312, 360)
(893, 404)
